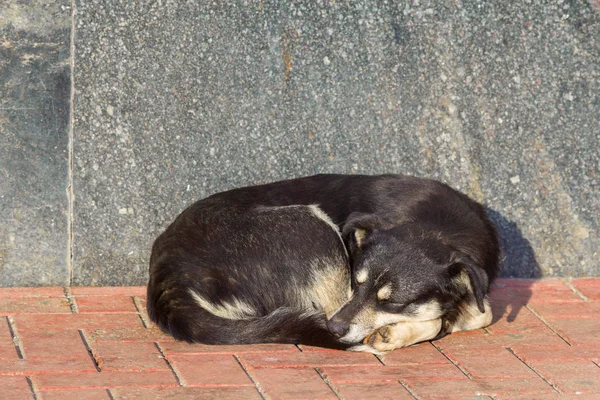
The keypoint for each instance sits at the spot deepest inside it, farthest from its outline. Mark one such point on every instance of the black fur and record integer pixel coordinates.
(259, 256)
(425, 231)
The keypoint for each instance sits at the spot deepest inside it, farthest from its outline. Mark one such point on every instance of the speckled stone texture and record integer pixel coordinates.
(34, 130)
(177, 100)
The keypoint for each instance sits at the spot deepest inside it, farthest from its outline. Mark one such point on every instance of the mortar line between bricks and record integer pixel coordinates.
(405, 386)
(178, 377)
(70, 194)
(33, 387)
(568, 283)
(547, 324)
(255, 381)
(330, 384)
(137, 302)
(71, 299)
(90, 351)
(552, 385)
(14, 332)
(461, 369)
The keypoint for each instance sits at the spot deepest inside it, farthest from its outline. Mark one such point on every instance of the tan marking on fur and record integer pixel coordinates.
(385, 292)
(463, 279)
(425, 312)
(365, 322)
(362, 275)
(365, 348)
(471, 318)
(235, 309)
(317, 212)
(359, 236)
(368, 320)
(329, 288)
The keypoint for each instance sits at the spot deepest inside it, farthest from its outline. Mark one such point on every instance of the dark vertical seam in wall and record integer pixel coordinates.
(70, 151)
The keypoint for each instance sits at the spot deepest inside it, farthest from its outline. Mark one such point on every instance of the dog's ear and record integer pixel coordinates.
(477, 277)
(360, 225)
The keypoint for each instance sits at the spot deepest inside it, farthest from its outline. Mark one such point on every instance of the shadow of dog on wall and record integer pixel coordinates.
(517, 261)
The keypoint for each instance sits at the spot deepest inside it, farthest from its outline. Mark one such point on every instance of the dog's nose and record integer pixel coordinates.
(338, 328)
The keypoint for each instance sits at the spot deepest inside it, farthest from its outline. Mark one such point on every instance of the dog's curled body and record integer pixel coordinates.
(246, 265)
(229, 274)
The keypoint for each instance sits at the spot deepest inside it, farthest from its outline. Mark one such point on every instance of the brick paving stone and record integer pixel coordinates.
(424, 353)
(108, 291)
(107, 379)
(53, 343)
(586, 282)
(550, 353)
(188, 393)
(578, 330)
(7, 350)
(33, 305)
(591, 292)
(112, 304)
(32, 366)
(209, 369)
(293, 384)
(24, 292)
(545, 396)
(489, 362)
(128, 356)
(172, 347)
(306, 349)
(83, 394)
(76, 321)
(430, 389)
(7, 346)
(308, 359)
(15, 387)
(58, 363)
(555, 293)
(570, 376)
(373, 391)
(481, 339)
(136, 333)
(385, 373)
(517, 319)
(567, 310)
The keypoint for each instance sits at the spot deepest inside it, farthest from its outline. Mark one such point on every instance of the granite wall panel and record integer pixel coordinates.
(35, 84)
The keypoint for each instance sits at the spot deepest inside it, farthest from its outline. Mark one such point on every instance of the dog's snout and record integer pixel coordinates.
(337, 328)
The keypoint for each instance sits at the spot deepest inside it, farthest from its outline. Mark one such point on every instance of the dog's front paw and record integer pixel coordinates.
(395, 336)
(382, 340)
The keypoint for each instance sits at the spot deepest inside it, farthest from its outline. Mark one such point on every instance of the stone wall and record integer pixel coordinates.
(172, 102)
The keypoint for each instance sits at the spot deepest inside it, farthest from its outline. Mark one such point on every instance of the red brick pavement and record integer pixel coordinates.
(97, 343)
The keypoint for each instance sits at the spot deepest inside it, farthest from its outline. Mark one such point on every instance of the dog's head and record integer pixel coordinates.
(401, 273)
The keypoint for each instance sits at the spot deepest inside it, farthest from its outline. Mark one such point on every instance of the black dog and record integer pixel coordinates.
(228, 274)
(422, 256)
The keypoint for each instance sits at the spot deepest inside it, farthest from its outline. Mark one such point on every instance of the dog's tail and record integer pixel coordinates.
(176, 313)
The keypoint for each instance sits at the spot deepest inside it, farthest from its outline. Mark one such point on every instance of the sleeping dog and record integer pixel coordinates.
(224, 274)
(421, 257)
